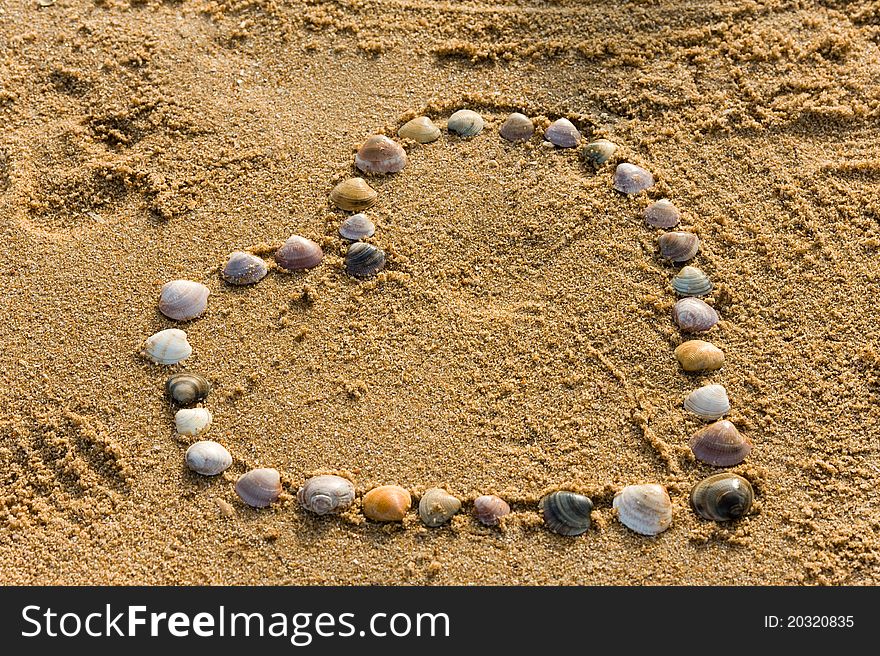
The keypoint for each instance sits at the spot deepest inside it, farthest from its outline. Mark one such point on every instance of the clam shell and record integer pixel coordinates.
(562, 133)
(709, 402)
(437, 507)
(566, 513)
(387, 503)
(299, 253)
(465, 123)
(691, 281)
(326, 494)
(167, 346)
(631, 179)
(693, 315)
(645, 509)
(662, 214)
(192, 421)
(420, 129)
(363, 260)
(259, 487)
(208, 458)
(517, 127)
(379, 154)
(489, 509)
(678, 246)
(357, 227)
(353, 195)
(186, 387)
(183, 300)
(599, 152)
(720, 444)
(722, 497)
(244, 269)
(697, 355)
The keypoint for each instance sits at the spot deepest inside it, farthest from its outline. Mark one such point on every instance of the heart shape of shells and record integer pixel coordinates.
(646, 509)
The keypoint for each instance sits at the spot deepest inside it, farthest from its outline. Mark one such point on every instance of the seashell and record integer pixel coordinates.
(678, 246)
(192, 421)
(722, 497)
(599, 152)
(517, 127)
(379, 154)
(437, 507)
(562, 133)
(259, 487)
(489, 509)
(697, 355)
(693, 315)
(662, 214)
(465, 123)
(420, 129)
(244, 269)
(357, 227)
(631, 179)
(326, 494)
(187, 388)
(709, 402)
(167, 346)
(720, 444)
(364, 260)
(353, 195)
(208, 458)
(387, 503)
(299, 253)
(183, 300)
(691, 281)
(645, 509)
(566, 513)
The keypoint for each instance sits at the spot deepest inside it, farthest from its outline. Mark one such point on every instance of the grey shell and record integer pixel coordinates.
(631, 179)
(567, 513)
(722, 497)
(244, 269)
(357, 227)
(363, 260)
(186, 387)
(326, 494)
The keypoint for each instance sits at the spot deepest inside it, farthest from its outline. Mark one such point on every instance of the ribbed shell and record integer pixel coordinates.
(167, 346)
(694, 316)
(299, 253)
(379, 154)
(517, 127)
(326, 494)
(709, 402)
(662, 214)
(645, 509)
(208, 458)
(697, 355)
(353, 195)
(599, 152)
(186, 387)
(357, 227)
(567, 513)
(631, 179)
(678, 246)
(244, 269)
(489, 509)
(420, 129)
(259, 487)
(722, 497)
(562, 133)
(387, 503)
(192, 421)
(183, 300)
(363, 260)
(437, 507)
(691, 281)
(720, 444)
(465, 123)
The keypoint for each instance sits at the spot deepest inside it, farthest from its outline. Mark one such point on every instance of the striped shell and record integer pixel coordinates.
(357, 227)
(694, 316)
(167, 346)
(465, 123)
(631, 179)
(259, 487)
(489, 509)
(645, 509)
(566, 513)
(353, 195)
(186, 387)
(363, 260)
(244, 269)
(722, 497)
(437, 507)
(183, 300)
(678, 246)
(387, 503)
(379, 154)
(691, 281)
(720, 444)
(562, 133)
(326, 494)
(709, 402)
(599, 152)
(208, 458)
(299, 253)
(517, 127)
(662, 214)
(420, 129)
(192, 421)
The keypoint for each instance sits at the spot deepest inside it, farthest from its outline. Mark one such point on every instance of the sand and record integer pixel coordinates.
(519, 340)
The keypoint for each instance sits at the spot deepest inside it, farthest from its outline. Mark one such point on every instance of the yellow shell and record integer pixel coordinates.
(420, 129)
(387, 503)
(353, 195)
(697, 355)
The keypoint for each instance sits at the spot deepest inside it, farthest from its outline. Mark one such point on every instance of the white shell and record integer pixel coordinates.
(208, 458)
(691, 281)
(709, 402)
(465, 123)
(645, 509)
(192, 421)
(183, 300)
(167, 346)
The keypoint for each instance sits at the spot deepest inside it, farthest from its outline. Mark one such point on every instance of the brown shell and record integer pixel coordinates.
(679, 246)
(694, 315)
(379, 154)
(353, 195)
(722, 497)
(720, 444)
(299, 253)
(489, 509)
(662, 214)
(420, 129)
(387, 503)
(697, 355)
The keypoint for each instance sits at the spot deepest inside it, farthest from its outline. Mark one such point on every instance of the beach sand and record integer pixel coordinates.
(519, 340)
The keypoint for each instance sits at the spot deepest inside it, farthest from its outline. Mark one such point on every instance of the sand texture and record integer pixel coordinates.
(519, 339)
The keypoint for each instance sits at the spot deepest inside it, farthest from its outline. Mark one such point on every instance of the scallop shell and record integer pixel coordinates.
(379, 154)
(693, 315)
(208, 458)
(420, 129)
(662, 214)
(697, 355)
(192, 421)
(691, 281)
(517, 127)
(326, 494)
(631, 179)
(720, 444)
(357, 227)
(364, 260)
(722, 497)
(562, 133)
(567, 513)
(299, 253)
(645, 509)
(599, 152)
(186, 388)
(465, 123)
(259, 487)
(678, 246)
(387, 503)
(709, 402)
(244, 269)
(437, 507)
(353, 195)
(183, 300)
(167, 346)
(489, 509)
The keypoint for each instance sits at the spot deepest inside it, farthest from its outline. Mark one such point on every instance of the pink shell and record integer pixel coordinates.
(299, 253)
